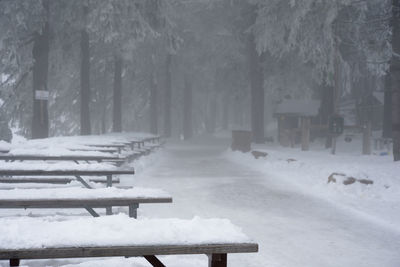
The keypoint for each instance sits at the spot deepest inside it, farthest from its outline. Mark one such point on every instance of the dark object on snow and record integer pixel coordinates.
(366, 181)
(291, 160)
(349, 180)
(332, 179)
(5, 131)
(241, 140)
(259, 154)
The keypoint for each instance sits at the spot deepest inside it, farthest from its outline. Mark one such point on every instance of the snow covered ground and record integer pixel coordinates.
(288, 207)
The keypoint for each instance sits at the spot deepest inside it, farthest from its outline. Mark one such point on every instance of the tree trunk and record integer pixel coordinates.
(85, 83)
(366, 149)
(387, 109)
(167, 99)
(395, 79)
(153, 104)
(117, 107)
(326, 110)
(212, 114)
(225, 111)
(257, 93)
(187, 109)
(40, 53)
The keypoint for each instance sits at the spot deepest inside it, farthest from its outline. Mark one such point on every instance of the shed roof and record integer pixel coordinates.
(299, 107)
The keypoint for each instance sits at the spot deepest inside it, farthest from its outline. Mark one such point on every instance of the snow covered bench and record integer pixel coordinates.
(75, 158)
(82, 198)
(64, 169)
(50, 180)
(118, 235)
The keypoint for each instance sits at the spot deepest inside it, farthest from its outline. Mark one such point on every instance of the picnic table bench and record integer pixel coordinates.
(120, 236)
(75, 172)
(75, 158)
(51, 180)
(82, 198)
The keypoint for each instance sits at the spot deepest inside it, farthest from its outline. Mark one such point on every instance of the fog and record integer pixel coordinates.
(282, 116)
(185, 68)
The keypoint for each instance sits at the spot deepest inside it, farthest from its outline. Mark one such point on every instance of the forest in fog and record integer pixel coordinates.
(185, 67)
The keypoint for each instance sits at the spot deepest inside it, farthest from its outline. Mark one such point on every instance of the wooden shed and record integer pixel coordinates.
(294, 120)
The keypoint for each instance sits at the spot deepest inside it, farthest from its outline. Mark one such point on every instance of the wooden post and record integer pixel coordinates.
(217, 260)
(333, 148)
(367, 139)
(109, 184)
(133, 210)
(305, 133)
(14, 262)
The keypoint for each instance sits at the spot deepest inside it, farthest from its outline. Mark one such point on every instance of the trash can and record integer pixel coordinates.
(241, 140)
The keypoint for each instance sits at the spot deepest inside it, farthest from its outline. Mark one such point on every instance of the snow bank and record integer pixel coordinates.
(116, 230)
(294, 169)
(83, 193)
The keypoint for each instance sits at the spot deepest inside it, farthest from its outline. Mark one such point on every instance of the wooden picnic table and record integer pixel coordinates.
(131, 199)
(75, 158)
(50, 180)
(217, 252)
(77, 173)
(132, 238)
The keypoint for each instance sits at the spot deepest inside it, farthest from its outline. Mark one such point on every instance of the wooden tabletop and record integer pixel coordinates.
(128, 251)
(71, 172)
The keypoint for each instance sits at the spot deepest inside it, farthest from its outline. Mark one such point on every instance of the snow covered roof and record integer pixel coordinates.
(301, 107)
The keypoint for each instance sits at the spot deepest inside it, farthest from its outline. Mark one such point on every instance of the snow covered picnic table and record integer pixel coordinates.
(75, 158)
(82, 198)
(119, 235)
(64, 169)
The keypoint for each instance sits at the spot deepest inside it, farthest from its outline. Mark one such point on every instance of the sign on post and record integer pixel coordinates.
(41, 95)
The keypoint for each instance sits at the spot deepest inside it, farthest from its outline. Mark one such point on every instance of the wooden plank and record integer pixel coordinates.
(27, 172)
(45, 180)
(154, 261)
(105, 150)
(59, 158)
(79, 202)
(107, 145)
(127, 251)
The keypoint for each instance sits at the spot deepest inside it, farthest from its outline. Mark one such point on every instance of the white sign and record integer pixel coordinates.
(41, 95)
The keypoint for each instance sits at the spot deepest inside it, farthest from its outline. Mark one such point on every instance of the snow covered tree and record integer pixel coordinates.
(395, 81)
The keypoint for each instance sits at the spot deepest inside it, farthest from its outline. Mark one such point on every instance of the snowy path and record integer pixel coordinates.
(292, 229)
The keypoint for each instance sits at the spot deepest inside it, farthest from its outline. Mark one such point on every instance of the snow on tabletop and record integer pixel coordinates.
(115, 230)
(55, 151)
(4, 146)
(82, 193)
(60, 166)
(56, 146)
